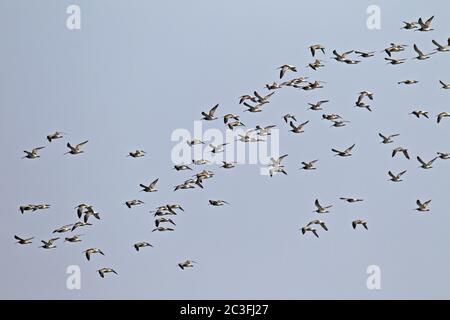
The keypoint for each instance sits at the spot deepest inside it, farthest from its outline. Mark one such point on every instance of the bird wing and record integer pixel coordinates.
(383, 137)
(428, 22)
(213, 110)
(421, 161)
(419, 203)
(416, 49)
(258, 95)
(405, 152)
(437, 44)
(336, 54)
(153, 184)
(391, 174)
(317, 204)
(313, 51)
(431, 161)
(401, 173)
(18, 238)
(349, 148)
(292, 125)
(82, 143)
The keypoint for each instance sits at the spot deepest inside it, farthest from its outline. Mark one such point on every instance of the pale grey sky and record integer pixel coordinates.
(137, 70)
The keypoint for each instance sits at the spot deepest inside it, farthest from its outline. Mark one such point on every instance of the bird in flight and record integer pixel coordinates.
(396, 177)
(23, 240)
(320, 208)
(102, 271)
(33, 154)
(359, 222)
(75, 149)
(150, 187)
(388, 139)
(186, 264)
(210, 115)
(423, 207)
(346, 153)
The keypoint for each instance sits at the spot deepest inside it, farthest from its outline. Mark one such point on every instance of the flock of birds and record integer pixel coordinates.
(254, 103)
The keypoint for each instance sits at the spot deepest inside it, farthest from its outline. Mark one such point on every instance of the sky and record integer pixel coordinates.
(137, 71)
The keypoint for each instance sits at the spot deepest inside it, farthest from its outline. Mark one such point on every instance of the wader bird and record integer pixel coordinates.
(317, 106)
(136, 154)
(75, 238)
(160, 220)
(210, 115)
(440, 47)
(402, 150)
(319, 222)
(365, 54)
(388, 139)
(33, 154)
(396, 178)
(80, 224)
(422, 206)
(419, 113)
(351, 200)
(288, 116)
(310, 229)
(150, 187)
(76, 149)
(315, 47)
(426, 165)
(315, 64)
(410, 25)
(443, 156)
(49, 243)
(421, 55)
(286, 67)
(361, 222)
(395, 61)
(321, 209)
(132, 203)
(309, 165)
(217, 203)
(54, 136)
(442, 115)
(346, 153)
(90, 251)
(23, 240)
(162, 229)
(298, 128)
(425, 26)
(341, 57)
(186, 264)
(408, 82)
(102, 271)
(139, 245)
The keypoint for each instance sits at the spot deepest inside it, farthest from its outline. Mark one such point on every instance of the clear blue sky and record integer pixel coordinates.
(137, 70)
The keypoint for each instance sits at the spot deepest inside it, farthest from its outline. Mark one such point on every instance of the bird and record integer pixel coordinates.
(408, 82)
(315, 47)
(330, 117)
(396, 177)
(351, 200)
(410, 25)
(388, 139)
(341, 57)
(217, 148)
(442, 48)
(246, 97)
(395, 61)
(317, 106)
(139, 245)
(264, 131)
(425, 26)
(102, 271)
(75, 238)
(395, 47)
(315, 64)
(150, 187)
(134, 202)
(75, 149)
(339, 123)
(210, 115)
(55, 135)
(23, 240)
(136, 154)
(350, 61)
(361, 222)
(321, 209)
(443, 156)
(309, 165)
(227, 165)
(365, 54)
(186, 264)
(229, 116)
(362, 104)
(288, 116)
(421, 55)
(49, 243)
(422, 206)
(33, 154)
(442, 115)
(90, 251)
(158, 221)
(273, 86)
(346, 153)
(363, 94)
(310, 229)
(298, 128)
(444, 85)
(262, 99)
(319, 222)
(402, 150)
(181, 167)
(236, 123)
(277, 161)
(161, 229)
(217, 203)
(286, 67)
(276, 169)
(80, 224)
(82, 207)
(426, 165)
(253, 109)
(89, 213)
(419, 113)
(194, 142)
(63, 229)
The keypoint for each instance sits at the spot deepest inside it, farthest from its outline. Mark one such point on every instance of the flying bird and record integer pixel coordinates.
(396, 177)
(402, 150)
(102, 271)
(361, 222)
(320, 208)
(210, 115)
(346, 153)
(23, 240)
(75, 149)
(33, 154)
(150, 187)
